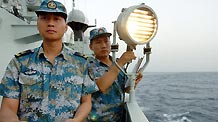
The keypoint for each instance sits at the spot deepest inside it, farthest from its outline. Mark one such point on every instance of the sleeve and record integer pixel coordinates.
(9, 86)
(89, 85)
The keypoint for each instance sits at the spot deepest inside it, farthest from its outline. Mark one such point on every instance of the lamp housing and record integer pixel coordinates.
(137, 25)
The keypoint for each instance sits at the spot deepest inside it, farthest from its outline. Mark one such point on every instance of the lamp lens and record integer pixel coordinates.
(141, 25)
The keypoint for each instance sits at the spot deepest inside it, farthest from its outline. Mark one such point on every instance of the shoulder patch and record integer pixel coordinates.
(23, 53)
(80, 54)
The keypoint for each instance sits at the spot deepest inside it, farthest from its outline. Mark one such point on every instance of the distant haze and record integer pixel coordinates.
(187, 37)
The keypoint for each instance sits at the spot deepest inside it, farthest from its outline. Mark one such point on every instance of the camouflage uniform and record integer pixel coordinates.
(47, 92)
(107, 107)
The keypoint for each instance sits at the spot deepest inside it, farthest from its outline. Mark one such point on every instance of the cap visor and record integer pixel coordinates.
(102, 34)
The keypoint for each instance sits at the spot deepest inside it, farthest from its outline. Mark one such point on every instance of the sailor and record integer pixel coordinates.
(50, 83)
(108, 102)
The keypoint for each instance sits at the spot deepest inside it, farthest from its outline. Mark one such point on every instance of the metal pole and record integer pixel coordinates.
(114, 42)
(132, 78)
(147, 52)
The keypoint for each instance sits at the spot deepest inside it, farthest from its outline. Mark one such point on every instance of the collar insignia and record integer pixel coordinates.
(30, 72)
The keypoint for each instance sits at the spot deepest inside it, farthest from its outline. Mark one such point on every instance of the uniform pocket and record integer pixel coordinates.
(31, 87)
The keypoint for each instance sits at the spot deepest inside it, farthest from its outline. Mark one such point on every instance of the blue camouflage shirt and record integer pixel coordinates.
(107, 107)
(47, 92)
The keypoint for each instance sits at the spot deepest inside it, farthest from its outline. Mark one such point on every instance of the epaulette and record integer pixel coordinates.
(23, 53)
(80, 54)
(91, 59)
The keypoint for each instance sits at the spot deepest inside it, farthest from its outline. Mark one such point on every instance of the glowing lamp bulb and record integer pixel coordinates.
(137, 25)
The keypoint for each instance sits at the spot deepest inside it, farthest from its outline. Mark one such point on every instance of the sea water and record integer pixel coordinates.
(179, 97)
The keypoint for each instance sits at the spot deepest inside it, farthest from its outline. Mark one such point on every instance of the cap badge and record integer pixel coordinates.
(52, 5)
(101, 30)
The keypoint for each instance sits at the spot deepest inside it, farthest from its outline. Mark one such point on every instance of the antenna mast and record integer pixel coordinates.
(73, 4)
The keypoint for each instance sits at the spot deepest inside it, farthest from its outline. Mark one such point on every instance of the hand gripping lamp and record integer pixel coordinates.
(136, 25)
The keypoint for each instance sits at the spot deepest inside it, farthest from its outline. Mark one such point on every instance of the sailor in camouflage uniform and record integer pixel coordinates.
(108, 102)
(49, 83)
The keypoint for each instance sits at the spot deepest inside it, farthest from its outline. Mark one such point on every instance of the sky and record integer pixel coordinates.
(187, 36)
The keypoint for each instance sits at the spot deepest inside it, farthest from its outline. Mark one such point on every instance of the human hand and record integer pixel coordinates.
(138, 78)
(126, 57)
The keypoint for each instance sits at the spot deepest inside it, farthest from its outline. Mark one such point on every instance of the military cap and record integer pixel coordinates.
(97, 32)
(52, 6)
